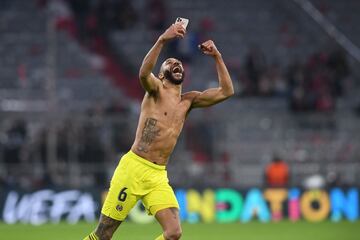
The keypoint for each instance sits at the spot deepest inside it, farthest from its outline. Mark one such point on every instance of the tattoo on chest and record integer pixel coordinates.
(148, 134)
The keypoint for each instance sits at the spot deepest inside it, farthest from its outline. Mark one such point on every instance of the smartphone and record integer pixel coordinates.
(183, 21)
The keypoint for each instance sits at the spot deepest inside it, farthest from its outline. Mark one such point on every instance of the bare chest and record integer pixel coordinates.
(168, 109)
(172, 113)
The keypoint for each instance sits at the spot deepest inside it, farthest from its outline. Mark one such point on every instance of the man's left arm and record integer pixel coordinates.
(214, 95)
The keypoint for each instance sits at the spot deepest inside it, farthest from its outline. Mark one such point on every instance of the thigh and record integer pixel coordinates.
(159, 198)
(168, 219)
(120, 198)
(119, 202)
(106, 227)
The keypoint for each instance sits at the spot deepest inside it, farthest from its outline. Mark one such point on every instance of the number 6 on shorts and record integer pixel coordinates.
(122, 195)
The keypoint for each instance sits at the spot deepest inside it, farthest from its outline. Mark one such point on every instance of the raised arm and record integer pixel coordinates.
(147, 79)
(214, 95)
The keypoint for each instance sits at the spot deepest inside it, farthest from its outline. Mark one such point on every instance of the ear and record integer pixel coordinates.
(161, 76)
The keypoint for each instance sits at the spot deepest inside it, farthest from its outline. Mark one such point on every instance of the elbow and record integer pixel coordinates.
(229, 92)
(228, 88)
(226, 93)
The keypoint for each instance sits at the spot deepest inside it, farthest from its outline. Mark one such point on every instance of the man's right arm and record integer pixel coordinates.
(147, 78)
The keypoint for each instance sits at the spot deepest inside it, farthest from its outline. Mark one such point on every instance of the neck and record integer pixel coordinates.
(173, 87)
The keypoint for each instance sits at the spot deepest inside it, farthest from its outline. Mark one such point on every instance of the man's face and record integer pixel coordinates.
(173, 71)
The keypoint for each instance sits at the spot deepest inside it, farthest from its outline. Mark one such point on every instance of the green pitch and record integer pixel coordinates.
(234, 231)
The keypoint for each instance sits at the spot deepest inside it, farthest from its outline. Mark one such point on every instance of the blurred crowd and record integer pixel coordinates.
(90, 19)
(87, 148)
(310, 85)
(93, 139)
(96, 138)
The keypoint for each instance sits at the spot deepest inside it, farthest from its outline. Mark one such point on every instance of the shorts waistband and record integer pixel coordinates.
(144, 161)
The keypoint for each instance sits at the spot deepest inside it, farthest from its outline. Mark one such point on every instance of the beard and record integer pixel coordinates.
(168, 75)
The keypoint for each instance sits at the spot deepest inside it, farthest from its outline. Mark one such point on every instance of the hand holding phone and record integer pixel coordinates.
(183, 21)
(178, 29)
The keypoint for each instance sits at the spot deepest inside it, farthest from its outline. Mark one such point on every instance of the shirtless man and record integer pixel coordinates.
(141, 173)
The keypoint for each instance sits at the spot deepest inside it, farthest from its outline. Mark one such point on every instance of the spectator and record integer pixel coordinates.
(80, 9)
(185, 49)
(200, 141)
(15, 140)
(255, 66)
(339, 67)
(277, 173)
(13, 147)
(156, 14)
(279, 87)
(125, 14)
(314, 86)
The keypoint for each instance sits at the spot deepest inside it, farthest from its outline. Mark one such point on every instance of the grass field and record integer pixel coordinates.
(234, 231)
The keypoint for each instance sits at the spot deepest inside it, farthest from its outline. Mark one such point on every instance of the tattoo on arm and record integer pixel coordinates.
(148, 135)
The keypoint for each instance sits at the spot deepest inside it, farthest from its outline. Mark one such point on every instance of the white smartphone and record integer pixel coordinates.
(183, 21)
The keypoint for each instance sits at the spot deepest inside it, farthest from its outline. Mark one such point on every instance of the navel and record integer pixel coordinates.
(165, 113)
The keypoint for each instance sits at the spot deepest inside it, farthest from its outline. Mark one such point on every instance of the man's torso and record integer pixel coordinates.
(161, 121)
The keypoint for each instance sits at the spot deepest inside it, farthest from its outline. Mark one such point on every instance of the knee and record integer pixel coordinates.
(173, 234)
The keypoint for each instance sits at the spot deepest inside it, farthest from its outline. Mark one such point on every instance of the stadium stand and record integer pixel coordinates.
(229, 144)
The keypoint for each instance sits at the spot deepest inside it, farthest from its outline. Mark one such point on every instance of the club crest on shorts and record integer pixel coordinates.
(119, 208)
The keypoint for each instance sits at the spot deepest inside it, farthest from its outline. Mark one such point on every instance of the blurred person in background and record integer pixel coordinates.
(255, 66)
(187, 48)
(13, 145)
(125, 14)
(277, 173)
(156, 14)
(141, 173)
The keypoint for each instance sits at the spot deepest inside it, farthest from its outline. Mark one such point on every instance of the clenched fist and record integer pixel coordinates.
(209, 48)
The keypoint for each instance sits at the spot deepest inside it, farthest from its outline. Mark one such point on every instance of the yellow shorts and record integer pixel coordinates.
(135, 179)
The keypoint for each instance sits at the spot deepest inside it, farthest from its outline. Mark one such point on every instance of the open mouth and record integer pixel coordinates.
(177, 69)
